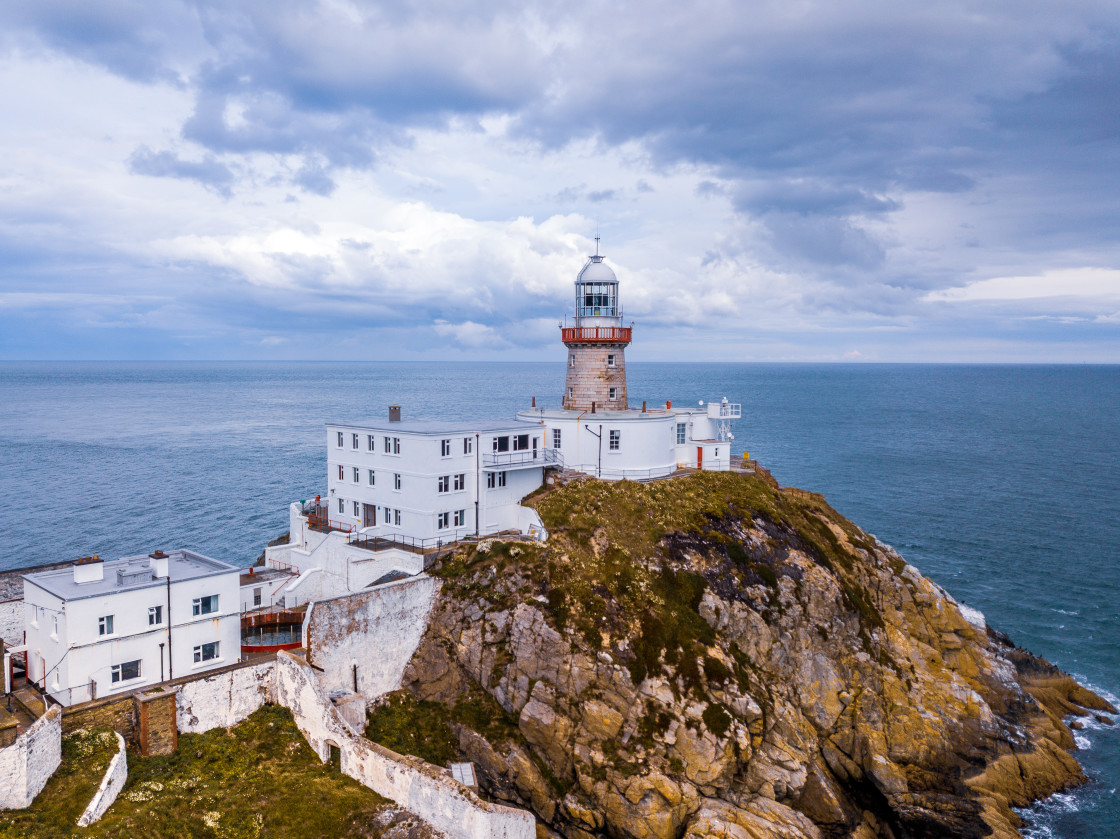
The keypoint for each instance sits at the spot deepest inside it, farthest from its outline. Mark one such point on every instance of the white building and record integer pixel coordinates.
(98, 628)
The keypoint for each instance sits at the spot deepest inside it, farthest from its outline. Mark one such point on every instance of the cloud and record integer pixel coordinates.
(1086, 284)
(208, 171)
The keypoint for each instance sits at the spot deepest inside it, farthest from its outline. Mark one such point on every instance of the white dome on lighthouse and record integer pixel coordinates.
(596, 271)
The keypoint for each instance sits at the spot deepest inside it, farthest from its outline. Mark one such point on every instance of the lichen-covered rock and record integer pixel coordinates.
(715, 656)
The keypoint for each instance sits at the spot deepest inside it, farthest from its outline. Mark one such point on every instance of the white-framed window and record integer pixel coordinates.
(468, 445)
(460, 518)
(616, 438)
(105, 625)
(610, 360)
(396, 480)
(388, 445)
(354, 442)
(357, 509)
(54, 626)
(495, 479)
(206, 652)
(125, 671)
(372, 478)
(445, 448)
(614, 393)
(258, 596)
(444, 483)
(571, 363)
(682, 431)
(460, 481)
(357, 475)
(556, 438)
(155, 615)
(341, 437)
(341, 506)
(341, 472)
(204, 605)
(396, 516)
(371, 440)
(501, 444)
(396, 445)
(520, 442)
(569, 393)
(443, 521)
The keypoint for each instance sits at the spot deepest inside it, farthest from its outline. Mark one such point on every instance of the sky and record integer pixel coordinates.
(771, 181)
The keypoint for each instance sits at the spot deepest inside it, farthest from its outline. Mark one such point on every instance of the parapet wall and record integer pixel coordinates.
(111, 785)
(425, 790)
(27, 764)
(226, 698)
(378, 630)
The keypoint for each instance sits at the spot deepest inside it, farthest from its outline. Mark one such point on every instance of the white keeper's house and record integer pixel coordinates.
(398, 487)
(98, 628)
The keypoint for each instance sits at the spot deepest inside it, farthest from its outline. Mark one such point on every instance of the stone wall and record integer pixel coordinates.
(224, 699)
(591, 380)
(27, 764)
(427, 791)
(115, 712)
(378, 630)
(111, 785)
(156, 722)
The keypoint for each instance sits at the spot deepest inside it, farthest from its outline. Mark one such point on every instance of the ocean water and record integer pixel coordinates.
(1002, 483)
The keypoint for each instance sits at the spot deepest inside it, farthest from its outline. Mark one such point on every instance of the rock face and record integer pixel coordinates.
(715, 656)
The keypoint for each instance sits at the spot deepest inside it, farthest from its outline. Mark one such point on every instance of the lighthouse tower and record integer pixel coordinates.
(596, 342)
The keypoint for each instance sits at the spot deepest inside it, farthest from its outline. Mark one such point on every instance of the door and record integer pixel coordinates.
(699, 457)
(369, 515)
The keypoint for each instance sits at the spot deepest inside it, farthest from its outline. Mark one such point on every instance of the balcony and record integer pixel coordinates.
(595, 334)
(513, 460)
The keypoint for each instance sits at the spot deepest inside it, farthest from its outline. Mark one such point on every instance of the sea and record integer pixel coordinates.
(1001, 483)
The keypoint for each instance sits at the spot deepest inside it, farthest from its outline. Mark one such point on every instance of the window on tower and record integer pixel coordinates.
(610, 360)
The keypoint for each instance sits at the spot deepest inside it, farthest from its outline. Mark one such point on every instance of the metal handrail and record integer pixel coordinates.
(609, 334)
(522, 457)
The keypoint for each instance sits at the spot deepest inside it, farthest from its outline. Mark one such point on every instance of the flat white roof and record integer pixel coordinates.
(181, 565)
(434, 427)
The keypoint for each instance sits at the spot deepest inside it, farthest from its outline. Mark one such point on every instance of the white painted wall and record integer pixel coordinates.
(111, 785)
(425, 790)
(27, 764)
(11, 621)
(378, 630)
(224, 699)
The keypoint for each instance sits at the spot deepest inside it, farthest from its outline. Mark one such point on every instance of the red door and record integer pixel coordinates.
(699, 457)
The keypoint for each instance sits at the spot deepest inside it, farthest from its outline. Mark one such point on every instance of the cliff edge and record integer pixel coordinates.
(718, 656)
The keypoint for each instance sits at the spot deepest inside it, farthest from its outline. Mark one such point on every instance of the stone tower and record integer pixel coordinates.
(596, 342)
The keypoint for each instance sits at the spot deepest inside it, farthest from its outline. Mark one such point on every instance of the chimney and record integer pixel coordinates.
(158, 562)
(89, 569)
(394, 413)
(668, 405)
(534, 402)
(643, 406)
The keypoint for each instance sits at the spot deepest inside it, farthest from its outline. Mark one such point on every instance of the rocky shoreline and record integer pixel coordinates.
(718, 656)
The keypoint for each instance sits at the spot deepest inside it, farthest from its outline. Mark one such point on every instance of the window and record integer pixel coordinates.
(569, 393)
(388, 445)
(354, 441)
(521, 442)
(341, 506)
(124, 672)
(460, 481)
(105, 625)
(495, 479)
(397, 480)
(571, 363)
(357, 473)
(444, 448)
(372, 478)
(340, 437)
(460, 518)
(341, 472)
(155, 615)
(610, 360)
(616, 438)
(443, 521)
(204, 605)
(371, 439)
(682, 430)
(357, 510)
(396, 516)
(444, 483)
(396, 445)
(257, 596)
(501, 444)
(556, 438)
(206, 652)
(468, 445)
(54, 626)
(614, 394)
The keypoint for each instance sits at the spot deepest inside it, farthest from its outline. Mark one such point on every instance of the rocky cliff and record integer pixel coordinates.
(717, 656)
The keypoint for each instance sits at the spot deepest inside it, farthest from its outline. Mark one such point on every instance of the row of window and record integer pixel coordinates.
(199, 606)
(392, 445)
(443, 520)
(572, 360)
(613, 393)
(128, 670)
(445, 482)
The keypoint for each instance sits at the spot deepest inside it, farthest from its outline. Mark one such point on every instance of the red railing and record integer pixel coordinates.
(596, 334)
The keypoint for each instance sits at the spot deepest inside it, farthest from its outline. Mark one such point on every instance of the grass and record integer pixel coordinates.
(258, 779)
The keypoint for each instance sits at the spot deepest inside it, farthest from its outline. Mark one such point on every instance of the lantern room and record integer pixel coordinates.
(597, 295)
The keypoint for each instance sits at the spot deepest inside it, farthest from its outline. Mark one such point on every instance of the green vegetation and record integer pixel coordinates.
(717, 719)
(258, 779)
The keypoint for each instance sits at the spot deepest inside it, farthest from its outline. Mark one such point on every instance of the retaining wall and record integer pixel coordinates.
(378, 630)
(27, 764)
(111, 785)
(224, 699)
(425, 790)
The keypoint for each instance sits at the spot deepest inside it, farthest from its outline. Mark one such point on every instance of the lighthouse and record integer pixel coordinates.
(596, 342)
